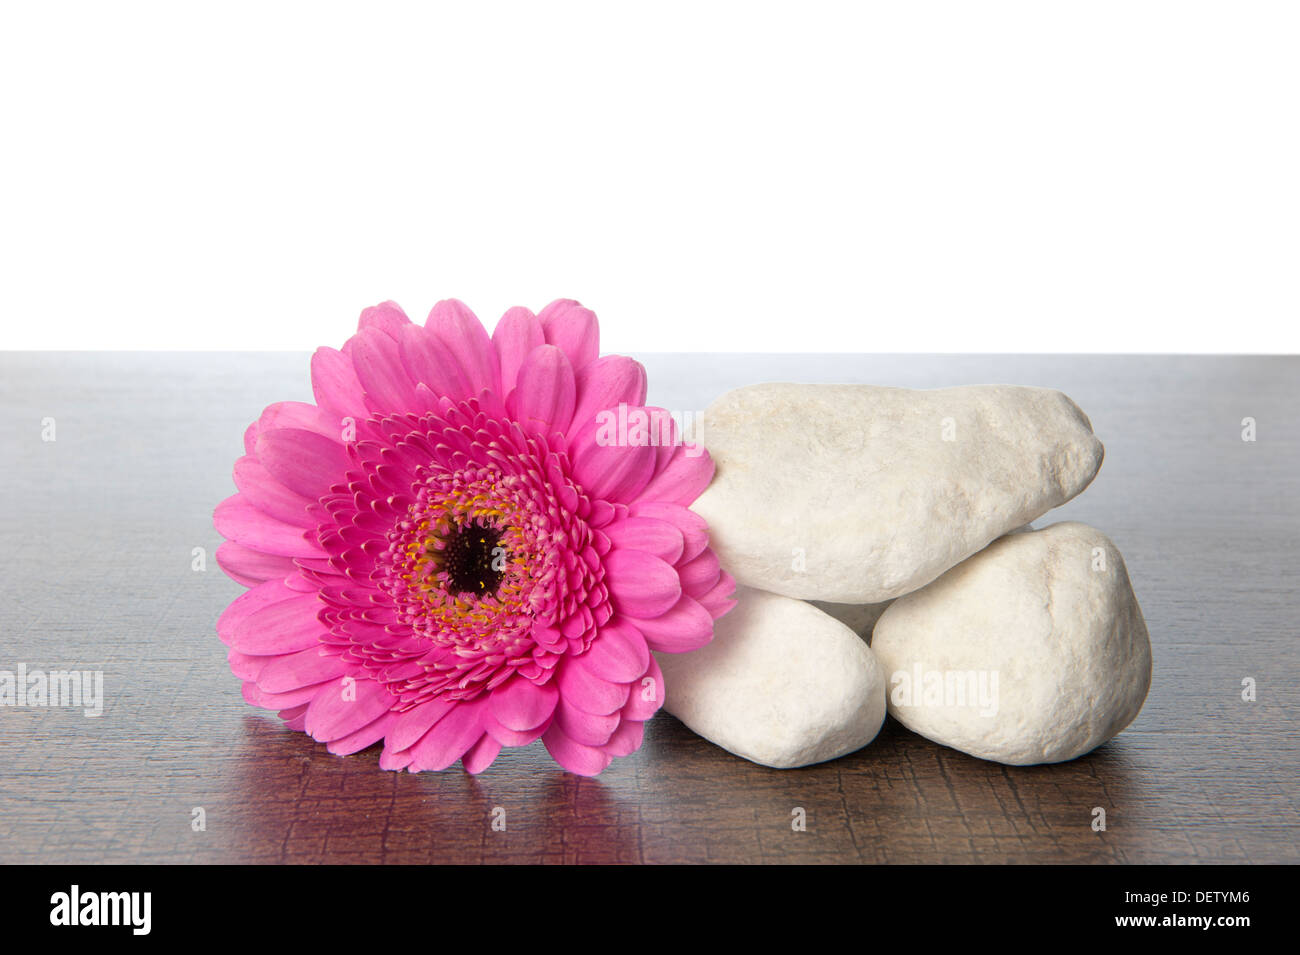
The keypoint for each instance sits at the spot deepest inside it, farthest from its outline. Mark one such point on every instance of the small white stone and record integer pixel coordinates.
(1041, 635)
(781, 684)
(857, 494)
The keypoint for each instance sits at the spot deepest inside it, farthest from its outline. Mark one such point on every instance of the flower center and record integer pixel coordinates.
(468, 554)
(473, 558)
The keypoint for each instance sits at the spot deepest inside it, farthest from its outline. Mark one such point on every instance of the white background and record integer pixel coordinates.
(708, 176)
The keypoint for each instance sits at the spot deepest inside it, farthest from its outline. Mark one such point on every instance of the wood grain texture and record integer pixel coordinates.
(98, 526)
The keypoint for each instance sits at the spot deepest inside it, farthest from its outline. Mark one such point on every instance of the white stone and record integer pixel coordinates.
(1048, 621)
(781, 684)
(858, 494)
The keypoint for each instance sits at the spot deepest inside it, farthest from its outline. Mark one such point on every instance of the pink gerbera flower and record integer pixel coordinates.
(447, 552)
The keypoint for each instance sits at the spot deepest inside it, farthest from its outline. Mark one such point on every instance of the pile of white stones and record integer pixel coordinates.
(880, 541)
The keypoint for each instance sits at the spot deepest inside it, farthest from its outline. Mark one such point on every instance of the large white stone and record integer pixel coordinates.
(1048, 622)
(781, 684)
(861, 618)
(857, 494)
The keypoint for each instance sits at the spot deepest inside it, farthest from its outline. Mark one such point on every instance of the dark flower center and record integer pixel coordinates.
(473, 559)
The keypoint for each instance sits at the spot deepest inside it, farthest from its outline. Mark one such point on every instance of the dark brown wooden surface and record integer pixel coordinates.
(97, 530)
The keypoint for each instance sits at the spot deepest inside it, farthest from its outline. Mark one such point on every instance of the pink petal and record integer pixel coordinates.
(588, 691)
(509, 737)
(346, 705)
(413, 723)
(618, 654)
(430, 363)
(299, 414)
(688, 626)
(589, 729)
(392, 759)
(284, 627)
(379, 367)
(647, 694)
(480, 755)
(606, 383)
(659, 538)
(543, 399)
(574, 329)
(626, 739)
(362, 738)
(682, 479)
(335, 385)
(293, 671)
(252, 567)
(269, 495)
(700, 575)
(695, 530)
(237, 520)
(239, 578)
(294, 717)
(450, 738)
(516, 335)
(611, 472)
(263, 595)
(386, 317)
(427, 400)
(279, 701)
(247, 667)
(573, 756)
(641, 585)
(520, 705)
(303, 461)
(318, 567)
(463, 335)
(721, 598)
